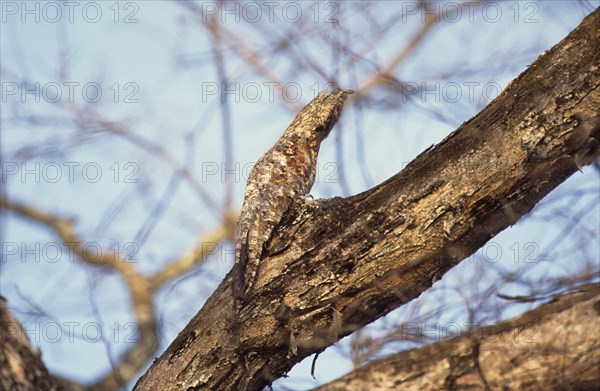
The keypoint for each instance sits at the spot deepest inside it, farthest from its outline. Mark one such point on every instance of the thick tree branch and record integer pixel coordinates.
(554, 347)
(339, 264)
(21, 368)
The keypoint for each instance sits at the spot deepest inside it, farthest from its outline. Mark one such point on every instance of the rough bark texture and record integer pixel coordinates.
(339, 264)
(554, 347)
(21, 368)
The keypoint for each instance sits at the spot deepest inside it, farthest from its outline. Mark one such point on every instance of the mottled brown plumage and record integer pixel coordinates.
(281, 177)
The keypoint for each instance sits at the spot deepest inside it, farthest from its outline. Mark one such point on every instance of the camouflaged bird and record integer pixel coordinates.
(281, 177)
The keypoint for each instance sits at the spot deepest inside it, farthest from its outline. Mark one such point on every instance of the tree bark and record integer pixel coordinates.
(21, 368)
(554, 347)
(336, 265)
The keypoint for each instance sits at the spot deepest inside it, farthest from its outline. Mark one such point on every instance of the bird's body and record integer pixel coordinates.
(281, 177)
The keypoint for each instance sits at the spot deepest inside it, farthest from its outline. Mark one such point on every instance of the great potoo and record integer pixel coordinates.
(281, 177)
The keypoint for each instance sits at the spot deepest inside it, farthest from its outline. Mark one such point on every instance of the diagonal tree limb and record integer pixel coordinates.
(553, 347)
(339, 264)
